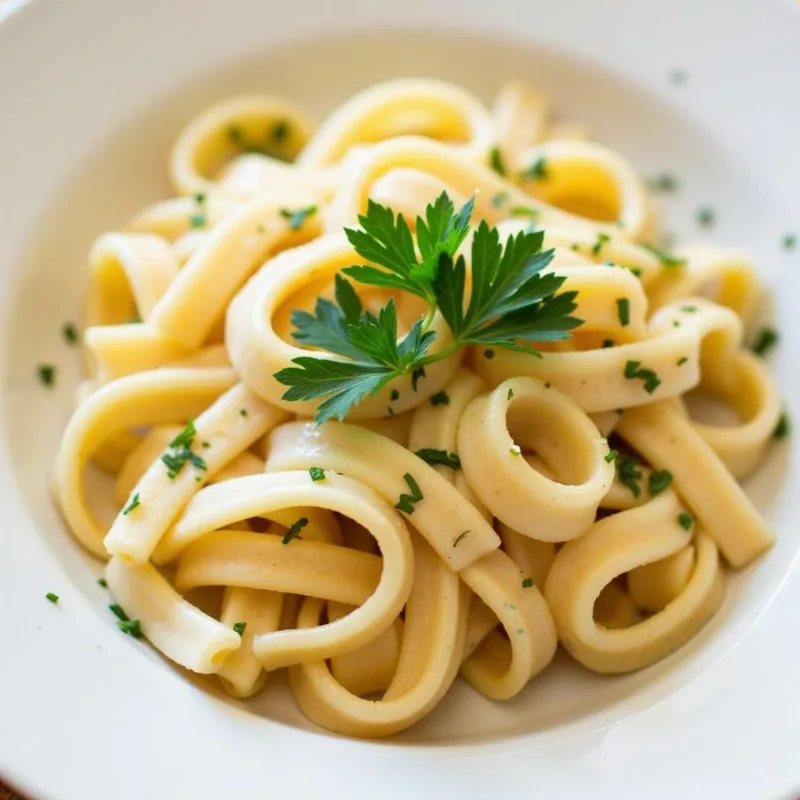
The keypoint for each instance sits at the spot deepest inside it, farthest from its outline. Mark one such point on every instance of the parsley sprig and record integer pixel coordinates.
(512, 303)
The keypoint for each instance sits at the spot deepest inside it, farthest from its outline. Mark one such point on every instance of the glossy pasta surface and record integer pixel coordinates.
(463, 519)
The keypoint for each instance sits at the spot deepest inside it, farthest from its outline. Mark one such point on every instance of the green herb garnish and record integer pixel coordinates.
(280, 130)
(706, 217)
(665, 182)
(512, 304)
(239, 627)
(665, 258)
(624, 311)
(608, 343)
(789, 242)
(131, 627)
(633, 370)
(47, 374)
(489, 354)
(70, 333)
(537, 171)
(134, 503)
(686, 521)
(440, 399)
(294, 530)
(431, 456)
(459, 538)
(496, 161)
(612, 455)
(198, 218)
(406, 501)
(510, 394)
(298, 216)
(629, 474)
(181, 446)
(782, 428)
(602, 240)
(527, 583)
(765, 340)
(500, 199)
(52, 597)
(102, 582)
(316, 473)
(681, 361)
(658, 481)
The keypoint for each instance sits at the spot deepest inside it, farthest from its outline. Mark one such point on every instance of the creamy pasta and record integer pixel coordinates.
(479, 504)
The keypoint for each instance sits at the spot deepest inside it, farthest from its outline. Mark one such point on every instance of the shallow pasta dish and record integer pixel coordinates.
(401, 398)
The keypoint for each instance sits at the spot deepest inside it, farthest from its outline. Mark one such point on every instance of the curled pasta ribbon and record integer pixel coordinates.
(615, 545)
(666, 438)
(724, 276)
(590, 181)
(547, 422)
(306, 566)
(681, 338)
(223, 430)
(460, 174)
(259, 318)
(381, 464)
(175, 627)
(436, 427)
(148, 398)
(242, 675)
(501, 667)
(430, 654)
(519, 115)
(416, 106)
(533, 557)
(225, 130)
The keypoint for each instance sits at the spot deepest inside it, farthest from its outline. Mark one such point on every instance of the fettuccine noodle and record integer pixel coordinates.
(531, 531)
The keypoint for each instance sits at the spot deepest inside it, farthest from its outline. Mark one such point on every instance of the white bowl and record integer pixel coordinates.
(91, 96)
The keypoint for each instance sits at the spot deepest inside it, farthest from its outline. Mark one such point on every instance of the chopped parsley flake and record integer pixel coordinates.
(496, 161)
(102, 582)
(510, 394)
(280, 130)
(134, 503)
(198, 218)
(689, 309)
(52, 597)
(47, 374)
(624, 311)
(500, 199)
(612, 455)
(488, 354)
(706, 217)
(298, 216)
(765, 340)
(459, 538)
(70, 333)
(515, 449)
(431, 456)
(665, 182)
(681, 361)
(629, 475)
(523, 211)
(789, 242)
(527, 583)
(235, 134)
(678, 77)
(406, 501)
(440, 399)
(182, 452)
(608, 343)
(395, 395)
(686, 521)
(782, 428)
(130, 626)
(243, 412)
(602, 240)
(665, 258)
(239, 627)
(316, 473)
(124, 623)
(658, 481)
(418, 373)
(294, 530)
(537, 171)
(633, 370)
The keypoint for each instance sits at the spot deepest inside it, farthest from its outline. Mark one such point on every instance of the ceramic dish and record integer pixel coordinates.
(91, 97)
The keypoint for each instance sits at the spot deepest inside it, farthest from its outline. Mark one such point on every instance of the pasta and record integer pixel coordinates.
(475, 504)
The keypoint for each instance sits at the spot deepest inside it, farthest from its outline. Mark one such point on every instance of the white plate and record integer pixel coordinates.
(91, 96)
